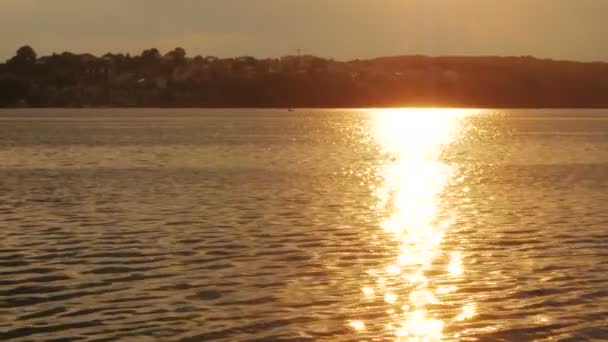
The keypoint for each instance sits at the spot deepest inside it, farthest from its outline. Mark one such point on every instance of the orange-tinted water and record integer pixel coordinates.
(335, 225)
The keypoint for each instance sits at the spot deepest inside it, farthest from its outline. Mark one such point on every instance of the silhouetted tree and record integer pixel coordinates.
(25, 55)
(150, 55)
(177, 55)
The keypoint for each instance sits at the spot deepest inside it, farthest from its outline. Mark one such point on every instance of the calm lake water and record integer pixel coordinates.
(313, 225)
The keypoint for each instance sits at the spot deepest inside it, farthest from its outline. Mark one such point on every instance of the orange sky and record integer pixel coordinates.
(343, 29)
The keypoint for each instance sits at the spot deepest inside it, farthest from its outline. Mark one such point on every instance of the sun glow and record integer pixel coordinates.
(357, 325)
(412, 180)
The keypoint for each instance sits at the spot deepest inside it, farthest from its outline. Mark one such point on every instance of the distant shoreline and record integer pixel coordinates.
(175, 80)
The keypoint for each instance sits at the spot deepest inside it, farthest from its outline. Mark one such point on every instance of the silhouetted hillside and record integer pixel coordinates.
(175, 80)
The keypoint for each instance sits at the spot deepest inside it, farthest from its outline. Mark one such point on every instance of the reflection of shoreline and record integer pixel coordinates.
(412, 181)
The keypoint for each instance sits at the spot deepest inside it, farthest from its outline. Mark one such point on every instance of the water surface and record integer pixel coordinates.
(320, 225)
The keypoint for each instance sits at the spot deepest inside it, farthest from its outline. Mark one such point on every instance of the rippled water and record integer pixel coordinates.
(329, 225)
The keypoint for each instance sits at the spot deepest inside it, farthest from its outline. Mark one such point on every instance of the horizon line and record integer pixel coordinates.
(348, 60)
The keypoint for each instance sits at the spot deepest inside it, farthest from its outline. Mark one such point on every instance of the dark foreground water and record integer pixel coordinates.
(336, 225)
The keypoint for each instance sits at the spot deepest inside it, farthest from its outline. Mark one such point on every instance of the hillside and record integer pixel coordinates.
(176, 80)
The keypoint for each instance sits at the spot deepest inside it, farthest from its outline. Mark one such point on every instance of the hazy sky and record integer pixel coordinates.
(343, 29)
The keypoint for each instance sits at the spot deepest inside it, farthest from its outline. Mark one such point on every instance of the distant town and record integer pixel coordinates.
(174, 79)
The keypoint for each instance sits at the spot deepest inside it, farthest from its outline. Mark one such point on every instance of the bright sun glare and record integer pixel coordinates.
(412, 180)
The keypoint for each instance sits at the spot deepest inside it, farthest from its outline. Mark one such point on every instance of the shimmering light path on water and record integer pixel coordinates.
(412, 178)
(313, 225)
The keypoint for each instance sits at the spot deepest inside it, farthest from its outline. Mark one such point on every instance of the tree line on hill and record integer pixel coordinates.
(152, 79)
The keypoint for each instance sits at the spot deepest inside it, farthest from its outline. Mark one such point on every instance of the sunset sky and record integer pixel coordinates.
(342, 29)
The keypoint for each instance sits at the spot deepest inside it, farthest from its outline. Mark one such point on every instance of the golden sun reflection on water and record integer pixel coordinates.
(412, 181)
